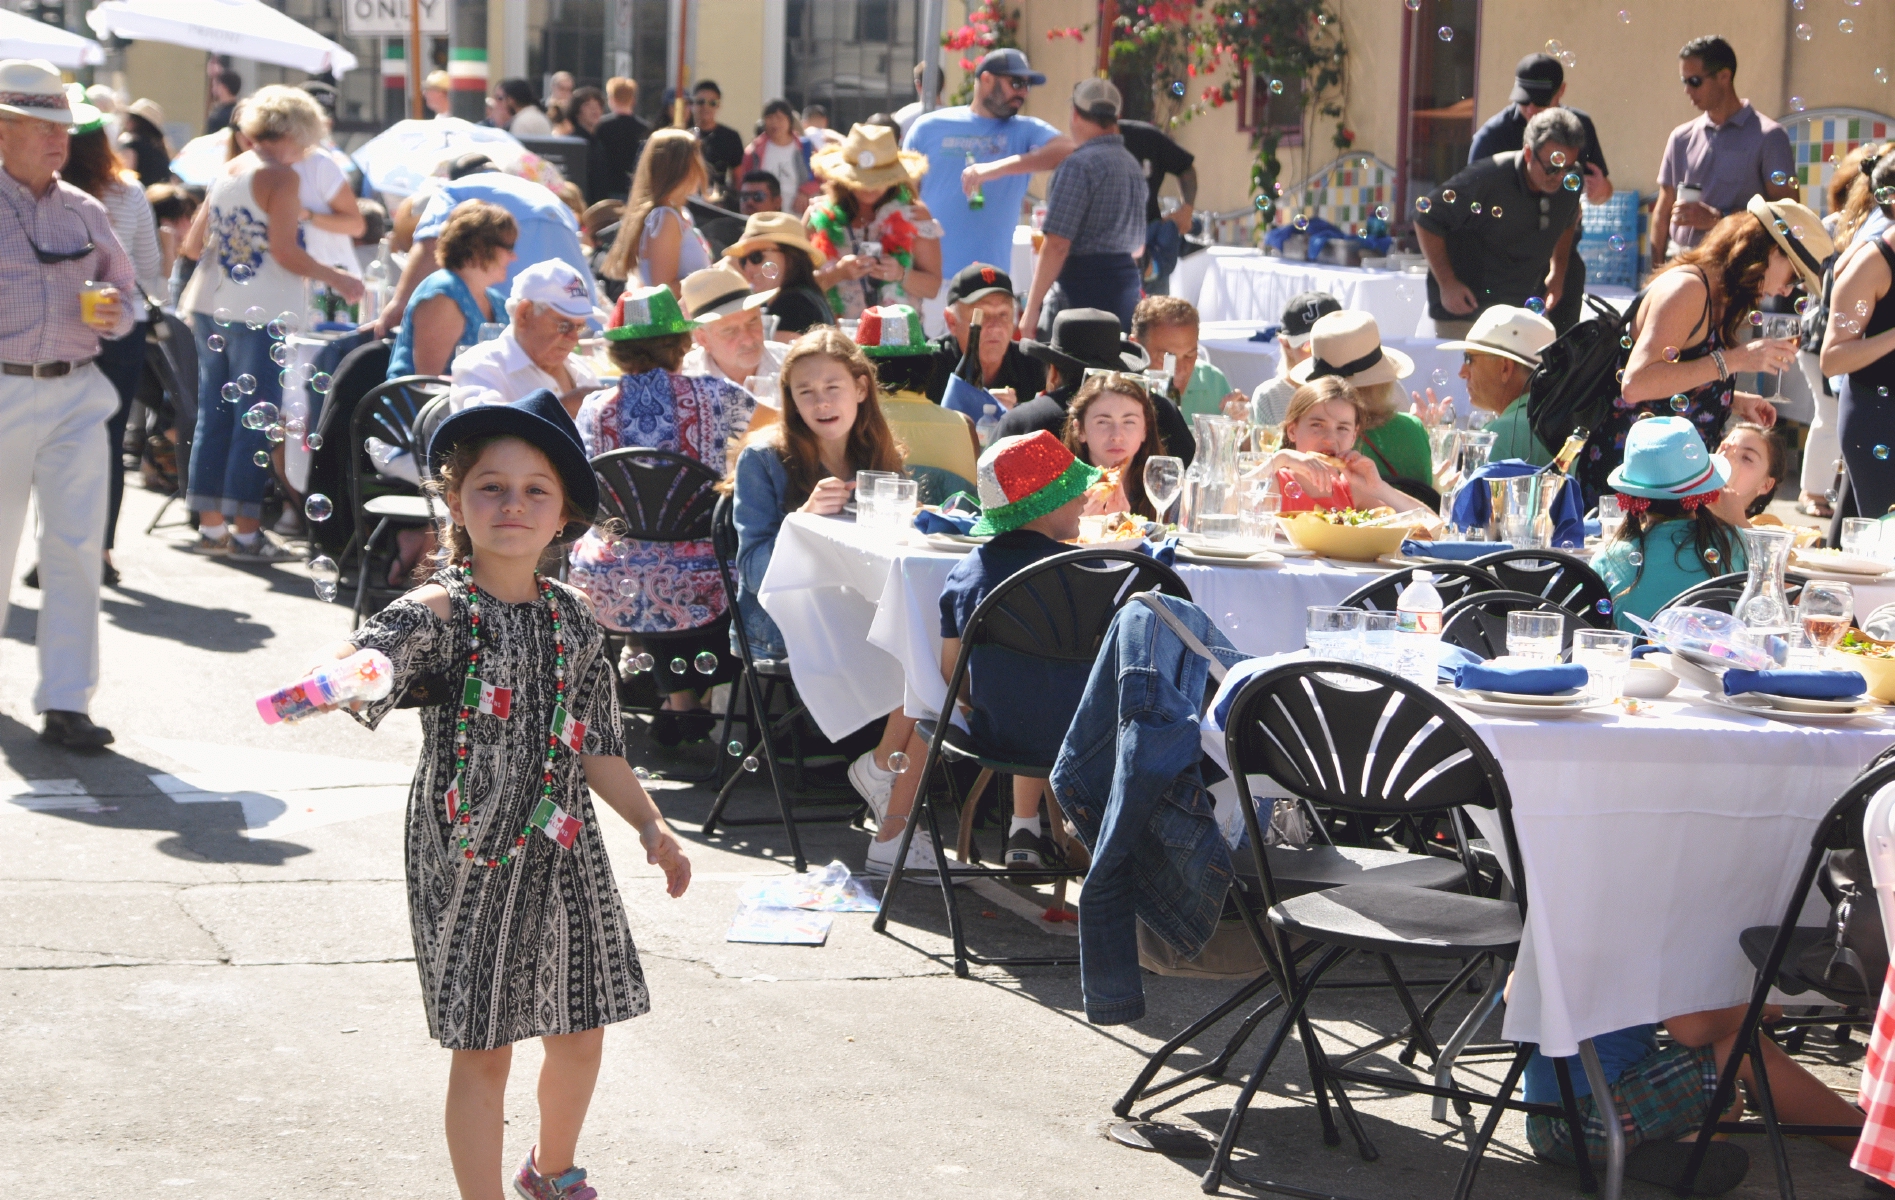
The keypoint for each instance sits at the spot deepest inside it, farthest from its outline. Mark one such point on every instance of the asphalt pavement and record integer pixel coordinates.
(209, 985)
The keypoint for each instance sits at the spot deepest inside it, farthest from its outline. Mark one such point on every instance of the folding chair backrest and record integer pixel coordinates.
(1561, 578)
(659, 495)
(1723, 592)
(389, 411)
(1478, 622)
(1452, 580)
(1061, 607)
(332, 464)
(427, 421)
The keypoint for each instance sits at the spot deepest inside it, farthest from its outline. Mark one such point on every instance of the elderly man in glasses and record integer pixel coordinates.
(1501, 231)
(56, 243)
(548, 310)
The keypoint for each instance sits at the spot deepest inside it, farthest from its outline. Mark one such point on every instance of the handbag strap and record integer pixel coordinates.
(1191, 640)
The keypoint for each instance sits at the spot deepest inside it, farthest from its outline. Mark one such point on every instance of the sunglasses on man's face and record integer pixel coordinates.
(1695, 81)
(707, 103)
(1018, 83)
(755, 197)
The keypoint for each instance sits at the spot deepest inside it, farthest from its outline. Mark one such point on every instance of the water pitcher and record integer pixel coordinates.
(1764, 603)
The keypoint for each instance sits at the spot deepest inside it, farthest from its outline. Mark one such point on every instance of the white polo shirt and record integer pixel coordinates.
(499, 372)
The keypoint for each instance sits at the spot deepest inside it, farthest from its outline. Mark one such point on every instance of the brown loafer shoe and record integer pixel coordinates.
(74, 731)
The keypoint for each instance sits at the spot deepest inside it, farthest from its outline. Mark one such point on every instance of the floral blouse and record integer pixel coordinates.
(896, 225)
(657, 587)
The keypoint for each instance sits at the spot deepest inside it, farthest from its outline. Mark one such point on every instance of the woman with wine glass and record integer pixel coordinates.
(1111, 424)
(1672, 538)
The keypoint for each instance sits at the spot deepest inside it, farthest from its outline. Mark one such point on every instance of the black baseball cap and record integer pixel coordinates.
(1009, 61)
(1535, 78)
(1302, 313)
(978, 279)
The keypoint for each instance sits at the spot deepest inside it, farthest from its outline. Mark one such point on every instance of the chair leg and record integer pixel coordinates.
(880, 924)
(1318, 1079)
(361, 570)
(1464, 1187)
(1767, 1103)
(1463, 1034)
(776, 785)
(1416, 1021)
(965, 846)
(1575, 1127)
(1608, 1113)
(1363, 1145)
(947, 882)
(1162, 1055)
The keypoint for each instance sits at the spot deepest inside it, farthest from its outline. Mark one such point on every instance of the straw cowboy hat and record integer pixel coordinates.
(869, 158)
(31, 87)
(718, 292)
(1799, 233)
(1349, 344)
(149, 109)
(774, 229)
(1508, 332)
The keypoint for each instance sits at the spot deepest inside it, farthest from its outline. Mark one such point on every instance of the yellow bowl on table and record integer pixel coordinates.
(1877, 672)
(1357, 543)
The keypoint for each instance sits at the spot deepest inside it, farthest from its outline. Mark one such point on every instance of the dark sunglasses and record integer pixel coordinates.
(754, 259)
(755, 197)
(52, 258)
(1692, 81)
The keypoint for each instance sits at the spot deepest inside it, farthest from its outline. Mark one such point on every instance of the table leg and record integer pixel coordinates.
(1614, 1132)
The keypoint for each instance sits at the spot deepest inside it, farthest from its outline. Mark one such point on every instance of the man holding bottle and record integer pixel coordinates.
(981, 298)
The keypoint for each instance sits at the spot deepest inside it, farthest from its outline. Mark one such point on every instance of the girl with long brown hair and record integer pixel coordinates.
(655, 233)
(1111, 423)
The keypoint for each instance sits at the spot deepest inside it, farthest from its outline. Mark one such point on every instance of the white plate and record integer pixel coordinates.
(1698, 676)
(953, 543)
(1507, 708)
(1223, 548)
(1555, 699)
(1801, 705)
(1262, 558)
(1818, 561)
(1771, 712)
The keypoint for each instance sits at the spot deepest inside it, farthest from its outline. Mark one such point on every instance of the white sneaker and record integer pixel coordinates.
(880, 861)
(874, 785)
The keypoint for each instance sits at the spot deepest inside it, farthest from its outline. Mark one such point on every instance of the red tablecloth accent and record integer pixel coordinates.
(1875, 1151)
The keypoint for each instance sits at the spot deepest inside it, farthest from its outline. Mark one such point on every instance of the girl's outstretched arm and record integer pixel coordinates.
(611, 777)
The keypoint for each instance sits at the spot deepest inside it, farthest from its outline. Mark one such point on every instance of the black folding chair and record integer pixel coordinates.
(1478, 622)
(763, 681)
(1451, 580)
(171, 364)
(360, 371)
(388, 412)
(1555, 576)
(1057, 610)
(1775, 951)
(1723, 592)
(1359, 739)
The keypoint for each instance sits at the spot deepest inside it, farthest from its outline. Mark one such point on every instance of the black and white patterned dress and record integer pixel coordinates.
(541, 945)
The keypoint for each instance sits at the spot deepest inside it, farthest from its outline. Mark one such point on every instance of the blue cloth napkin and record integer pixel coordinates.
(928, 521)
(1648, 648)
(1165, 552)
(1473, 506)
(1804, 685)
(970, 401)
(1267, 333)
(1524, 681)
(1449, 658)
(1453, 551)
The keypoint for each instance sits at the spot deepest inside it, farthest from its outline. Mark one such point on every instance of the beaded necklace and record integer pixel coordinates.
(563, 728)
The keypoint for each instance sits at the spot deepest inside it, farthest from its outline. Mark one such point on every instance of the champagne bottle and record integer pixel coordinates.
(969, 366)
(978, 200)
(1569, 453)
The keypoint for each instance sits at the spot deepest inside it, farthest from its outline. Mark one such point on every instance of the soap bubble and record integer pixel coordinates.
(1412, 5)
(243, 273)
(1845, 26)
(1616, 243)
(215, 342)
(640, 773)
(313, 441)
(279, 354)
(1881, 393)
(223, 317)
(1796, 104)
(1445, 33)
(751, 764)
(1554, 46)
(705, 663)
(230, 393)
(1618, 376)
(1496, 210)
(898, 763)
(1440, 377)
(1626, 341)
(1671, 354)
(1680, 402)
(1635, 558)
(1881, 452)
(1177, 89)
(296, 427)
(1803, 305)
(1276, 87)
(770, 270)
(1423, 204)
(324, 572)
(246, 384)
(1880, 75)
(1804, 31)
(261, 458)
(1535, 304)
(1625, 18)
(1603, 608)
(1572, 181)
(254, 316)
(275, 434)
(1713, 557)
(286, 378)
(1756, 318)
(1383, 212)
(1779, 178)
(626, 588)
(1884, 194)
(317, 507)
(1263, 203)
(643, 662)
(736, 748)
(290, 321)
(1447, 196)
(1862, 308)
(319, 382)
(275, 328)
(1299, 222)
(1474, 207)
(1557, 158)
(679, 666)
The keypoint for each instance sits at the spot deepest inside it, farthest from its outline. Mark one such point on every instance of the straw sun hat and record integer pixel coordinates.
(1799, 233)
(869, 158)
(1349, 344)
(774, 229)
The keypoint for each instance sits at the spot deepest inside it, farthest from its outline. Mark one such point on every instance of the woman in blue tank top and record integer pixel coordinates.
(448, 308)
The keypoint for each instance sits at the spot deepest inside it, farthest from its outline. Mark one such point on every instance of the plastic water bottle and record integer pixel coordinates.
(1420, 628)
(989, 421)
(364, 675)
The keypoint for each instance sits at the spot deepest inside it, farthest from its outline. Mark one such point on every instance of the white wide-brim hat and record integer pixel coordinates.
(31, 87)
(1516, 333)
(1348, 344)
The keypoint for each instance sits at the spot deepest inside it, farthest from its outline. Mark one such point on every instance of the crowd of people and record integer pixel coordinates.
(810, 342)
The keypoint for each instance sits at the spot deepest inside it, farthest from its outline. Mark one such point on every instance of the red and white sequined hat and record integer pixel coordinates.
(1025, 477)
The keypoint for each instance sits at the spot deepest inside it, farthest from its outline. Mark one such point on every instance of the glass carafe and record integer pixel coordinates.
(1764, 604)
(1217, 439)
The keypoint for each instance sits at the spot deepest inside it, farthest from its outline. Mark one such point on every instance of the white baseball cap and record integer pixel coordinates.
(555, 283)
(1516, 333)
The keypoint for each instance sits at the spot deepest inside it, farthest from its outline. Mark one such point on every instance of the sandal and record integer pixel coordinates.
(569, 1184)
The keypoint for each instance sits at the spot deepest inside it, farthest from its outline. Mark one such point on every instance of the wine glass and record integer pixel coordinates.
(1824, 612)
(1164, 479)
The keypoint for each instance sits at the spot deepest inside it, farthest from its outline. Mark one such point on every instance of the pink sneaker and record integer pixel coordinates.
(568, 1185)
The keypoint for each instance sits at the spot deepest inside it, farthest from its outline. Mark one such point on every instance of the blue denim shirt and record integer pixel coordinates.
(759, 499)
(1129, 777)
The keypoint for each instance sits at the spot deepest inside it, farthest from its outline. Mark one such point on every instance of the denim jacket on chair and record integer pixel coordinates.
(1128, 776)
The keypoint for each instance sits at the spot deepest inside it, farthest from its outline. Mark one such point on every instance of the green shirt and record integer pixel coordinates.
(1205, 393)
(1400, 450)
(1514, 437)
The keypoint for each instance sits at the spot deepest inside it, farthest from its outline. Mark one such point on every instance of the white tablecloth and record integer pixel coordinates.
(1650, 843)
(860, 614)
(1251, 287)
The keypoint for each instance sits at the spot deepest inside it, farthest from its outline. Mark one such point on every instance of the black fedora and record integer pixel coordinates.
(539, 420)
(1087, 338)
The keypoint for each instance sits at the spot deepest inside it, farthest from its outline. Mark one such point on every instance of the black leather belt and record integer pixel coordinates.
(45, 370)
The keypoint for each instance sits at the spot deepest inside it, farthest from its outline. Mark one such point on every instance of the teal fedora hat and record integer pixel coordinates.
(1665, 459)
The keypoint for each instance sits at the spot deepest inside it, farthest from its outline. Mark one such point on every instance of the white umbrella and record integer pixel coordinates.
(202, 160)
(397, 160)
(240, 28)
(23, 37)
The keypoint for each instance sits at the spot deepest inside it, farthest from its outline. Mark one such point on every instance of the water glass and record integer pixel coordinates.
(866, 514)
(1861, 535)
(1607, 656)
(1611, 518)
(1219, 527)
(1476, 445)
(1382, 641)
(1334, 632)
(1257, 511)
(895, 500)
(1534, 634)
(766, 389)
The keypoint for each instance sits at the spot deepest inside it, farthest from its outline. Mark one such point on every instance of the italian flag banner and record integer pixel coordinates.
(568, 731)
(495, 701)
(551, 820)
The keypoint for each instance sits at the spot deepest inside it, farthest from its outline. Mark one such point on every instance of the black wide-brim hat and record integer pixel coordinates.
(539, 420)
(1088, 338)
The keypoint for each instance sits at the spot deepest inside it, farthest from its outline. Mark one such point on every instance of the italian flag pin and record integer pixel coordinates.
(568, 731)
(485, 697)
(551, 820)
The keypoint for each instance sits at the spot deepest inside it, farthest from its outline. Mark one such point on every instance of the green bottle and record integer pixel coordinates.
(978, 200)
